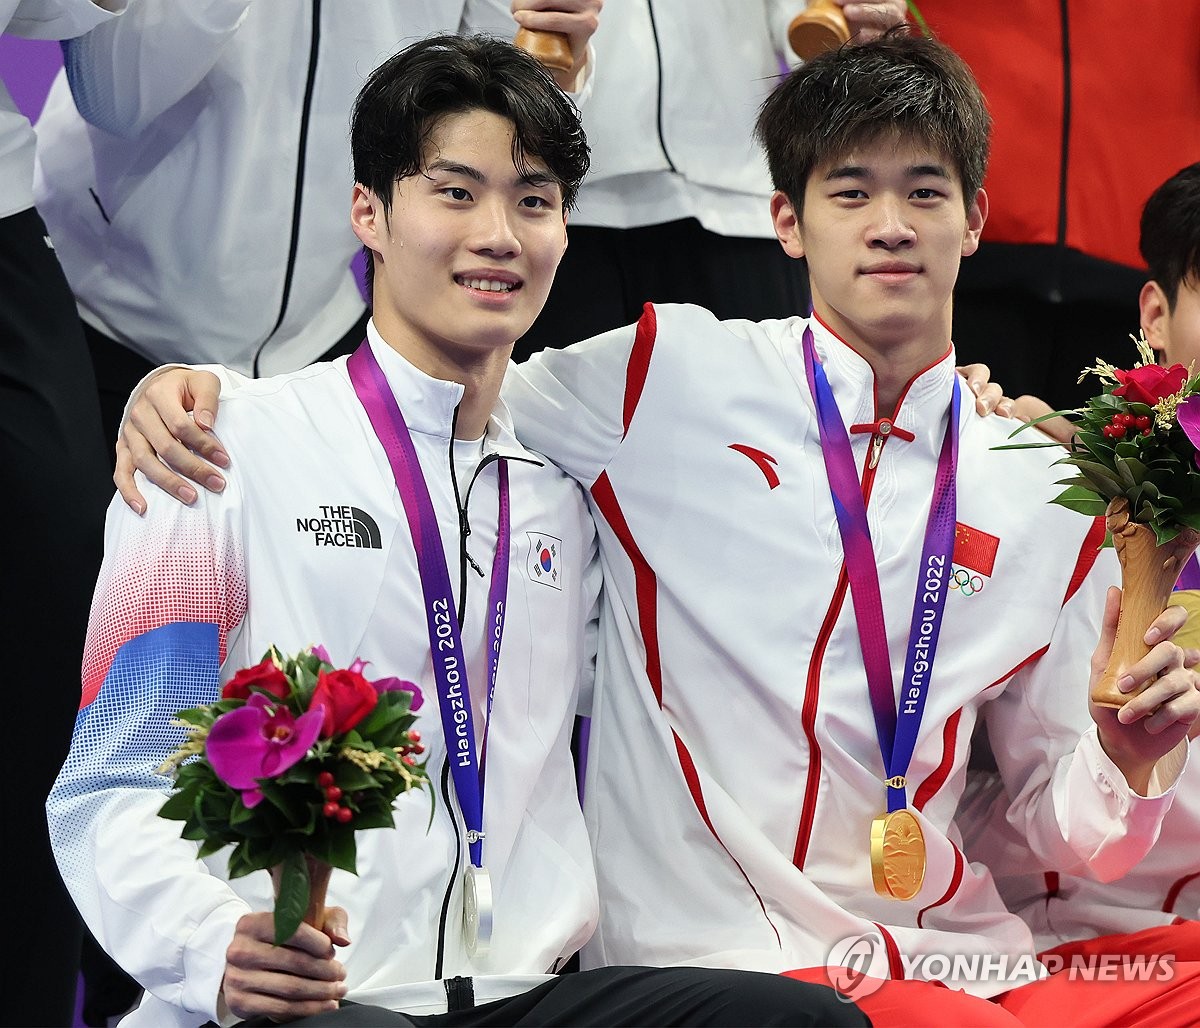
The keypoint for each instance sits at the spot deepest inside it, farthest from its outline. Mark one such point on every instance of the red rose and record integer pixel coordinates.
(1150, 383)
(265, 675)
(347, 698)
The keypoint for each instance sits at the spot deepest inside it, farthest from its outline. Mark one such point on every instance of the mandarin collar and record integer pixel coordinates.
(923, 405)
(428, 403)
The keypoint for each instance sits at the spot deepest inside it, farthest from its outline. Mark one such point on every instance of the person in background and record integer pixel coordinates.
(675, 207)
(1093, 105)
(49, 418)
(1064, 910)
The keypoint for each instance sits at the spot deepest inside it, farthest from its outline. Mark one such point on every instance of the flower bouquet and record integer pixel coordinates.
(1134, 455)
(293, 759)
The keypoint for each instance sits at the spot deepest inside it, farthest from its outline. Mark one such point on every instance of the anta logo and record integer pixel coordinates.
(342, 526)
(763, 461)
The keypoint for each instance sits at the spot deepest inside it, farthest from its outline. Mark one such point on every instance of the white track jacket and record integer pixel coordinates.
(733, 768)
(309, 544)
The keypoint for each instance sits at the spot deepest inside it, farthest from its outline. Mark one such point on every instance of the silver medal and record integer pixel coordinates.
(477, 910)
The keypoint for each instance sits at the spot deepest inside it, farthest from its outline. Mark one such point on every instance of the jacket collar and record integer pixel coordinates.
(429, 403)
(923, 404)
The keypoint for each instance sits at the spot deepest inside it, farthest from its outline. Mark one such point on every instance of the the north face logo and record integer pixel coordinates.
(342, 526)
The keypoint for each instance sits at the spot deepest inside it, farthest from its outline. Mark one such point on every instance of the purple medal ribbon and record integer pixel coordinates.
(445, 637)
(896, 729)
(1189, 578)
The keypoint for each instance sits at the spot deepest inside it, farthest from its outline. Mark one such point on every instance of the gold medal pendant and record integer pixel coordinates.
(897, 855)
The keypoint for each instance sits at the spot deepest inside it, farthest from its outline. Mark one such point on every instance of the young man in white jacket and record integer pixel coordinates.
(467, 157)
(759, 794)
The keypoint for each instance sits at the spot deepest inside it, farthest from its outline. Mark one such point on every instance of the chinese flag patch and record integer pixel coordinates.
(975, 549)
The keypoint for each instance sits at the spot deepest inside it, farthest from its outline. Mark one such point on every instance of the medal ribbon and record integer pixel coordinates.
(467, 766)
(895, 728)
(1189, 578)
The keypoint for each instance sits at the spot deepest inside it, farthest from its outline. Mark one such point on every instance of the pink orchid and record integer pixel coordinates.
(320, 653)
(259, 740)
(390, 683)
(1188, 415)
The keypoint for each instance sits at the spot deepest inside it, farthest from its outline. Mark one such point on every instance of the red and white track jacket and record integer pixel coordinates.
(733, 770)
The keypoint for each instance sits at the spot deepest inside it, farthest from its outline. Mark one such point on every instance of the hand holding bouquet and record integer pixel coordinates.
(294, 759)
(1134, 455)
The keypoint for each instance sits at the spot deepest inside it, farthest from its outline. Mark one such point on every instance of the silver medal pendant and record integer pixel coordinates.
(477, 910)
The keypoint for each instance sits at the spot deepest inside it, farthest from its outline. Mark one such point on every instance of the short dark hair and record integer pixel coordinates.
(1170, 232)
(406, 97)
(898, 85)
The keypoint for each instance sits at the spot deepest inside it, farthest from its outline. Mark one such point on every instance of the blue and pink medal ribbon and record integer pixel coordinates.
(467, 761)
(897, 723)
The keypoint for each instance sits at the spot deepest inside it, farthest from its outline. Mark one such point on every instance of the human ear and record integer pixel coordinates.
(787, 224)
(1154, 315)
(366, 217)
(977, 213)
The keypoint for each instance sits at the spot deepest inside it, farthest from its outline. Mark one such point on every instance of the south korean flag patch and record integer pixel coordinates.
(544, 563)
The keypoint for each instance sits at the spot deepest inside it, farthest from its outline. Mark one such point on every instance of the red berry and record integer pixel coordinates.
(419, 748)
(344, 814)
(333, 793)
(330, 809)
(1143, 423)
(408, 760)
(1115, 431)
(1123, 419)
(325, 779)
(414, 735)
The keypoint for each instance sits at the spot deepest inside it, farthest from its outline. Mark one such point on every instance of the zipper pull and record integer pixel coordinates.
(471, 561)
(877, 440)
(876, 446)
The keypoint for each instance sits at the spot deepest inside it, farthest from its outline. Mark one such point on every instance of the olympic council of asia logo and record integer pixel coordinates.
(850, 961)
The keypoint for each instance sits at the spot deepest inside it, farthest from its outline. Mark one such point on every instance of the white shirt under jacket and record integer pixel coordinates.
(671, 116)
(215, 163)
(247, 568)
(732, 778)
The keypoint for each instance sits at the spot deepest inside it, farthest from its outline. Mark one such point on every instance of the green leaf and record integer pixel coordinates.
(1082, 500)
(211, 846)
(179, 807)
(292, 901)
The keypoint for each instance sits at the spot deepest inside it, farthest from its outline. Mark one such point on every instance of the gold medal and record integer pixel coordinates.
(897, 855)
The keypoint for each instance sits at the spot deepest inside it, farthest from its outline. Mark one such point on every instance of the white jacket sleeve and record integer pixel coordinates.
(57, 19)
(571, 404)
(125, 73)
(1070, 801)
(170, 599)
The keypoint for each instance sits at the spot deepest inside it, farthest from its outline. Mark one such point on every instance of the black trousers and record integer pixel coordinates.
(608, 274)
(616, 996)
(57, 486)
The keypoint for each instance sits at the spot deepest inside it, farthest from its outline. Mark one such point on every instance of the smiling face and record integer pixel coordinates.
(466, 255)
(884, 228)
